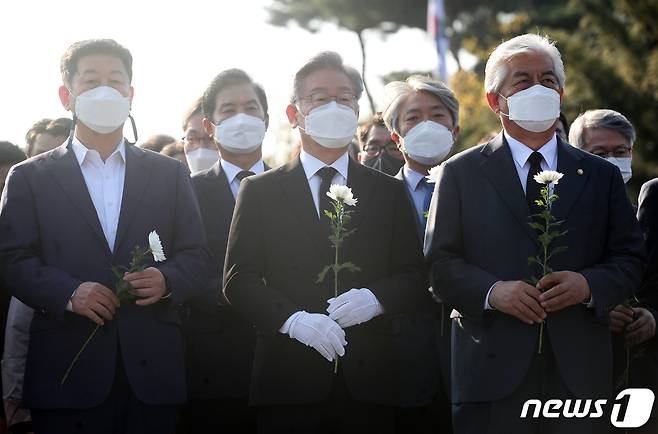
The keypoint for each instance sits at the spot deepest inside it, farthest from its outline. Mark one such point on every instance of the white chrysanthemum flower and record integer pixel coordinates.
(343, 194)
(156, 247)
(548, 177)
(433, 175)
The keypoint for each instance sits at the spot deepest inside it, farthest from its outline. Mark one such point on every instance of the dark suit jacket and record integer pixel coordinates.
(478, 234)
(647, 215)
(52, 241)
(277, 248)
(220, 343)
(423, 346)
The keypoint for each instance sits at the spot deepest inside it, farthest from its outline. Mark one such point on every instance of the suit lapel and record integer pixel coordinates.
(296, 188)
(499, 168)
(67, 172)
(362, 185)
(568, 190)
(134, 185)
(219, 197)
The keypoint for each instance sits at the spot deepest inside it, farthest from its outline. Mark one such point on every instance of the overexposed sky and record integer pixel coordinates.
(178, 47)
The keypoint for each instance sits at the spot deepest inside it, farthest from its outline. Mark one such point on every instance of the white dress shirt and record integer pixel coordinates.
(104, 180)
(231, 171)
(412, 181)
(521, 153)
(311, 167)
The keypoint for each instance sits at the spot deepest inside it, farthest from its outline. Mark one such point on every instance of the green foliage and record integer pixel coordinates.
(137, 263)
(545, 225)
(338, 219)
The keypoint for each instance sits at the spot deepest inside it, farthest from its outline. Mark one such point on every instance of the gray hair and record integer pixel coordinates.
(325, 60)
(600, 118)
(497, 67)
(396, 92)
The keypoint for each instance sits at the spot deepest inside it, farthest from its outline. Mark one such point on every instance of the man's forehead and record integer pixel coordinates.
(95, 63)
(243, 92)
(324, 80)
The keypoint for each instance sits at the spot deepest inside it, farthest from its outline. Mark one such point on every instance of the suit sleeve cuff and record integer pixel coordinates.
(487, 306)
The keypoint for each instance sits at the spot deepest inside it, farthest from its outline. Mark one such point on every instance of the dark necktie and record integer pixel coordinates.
(243, 174)
(532, 187)
(327, 174)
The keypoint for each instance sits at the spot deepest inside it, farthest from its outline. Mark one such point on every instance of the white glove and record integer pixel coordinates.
(318, 331)
(354, 307)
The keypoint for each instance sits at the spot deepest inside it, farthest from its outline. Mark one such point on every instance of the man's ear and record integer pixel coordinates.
(291, 112)
(395, 138)
(455, 132)
(492, 100)
(65, 98)
(208, 127)
(131, 94)
(267, 121)
(561, 92)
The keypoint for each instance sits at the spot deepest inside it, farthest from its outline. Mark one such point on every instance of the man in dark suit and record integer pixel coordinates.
(478, 243)
(220, 343)
(67, 217)
(278, 244)
(423, 119)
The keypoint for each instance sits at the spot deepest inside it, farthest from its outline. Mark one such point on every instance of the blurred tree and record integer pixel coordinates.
(385, 16)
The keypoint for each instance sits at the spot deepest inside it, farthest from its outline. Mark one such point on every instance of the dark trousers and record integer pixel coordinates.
(543, 382)
(120, 413)
(217, 416)
(338, 414)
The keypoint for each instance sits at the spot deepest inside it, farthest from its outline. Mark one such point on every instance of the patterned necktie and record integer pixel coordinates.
(532, 189)
(427, 199)
(327, 174)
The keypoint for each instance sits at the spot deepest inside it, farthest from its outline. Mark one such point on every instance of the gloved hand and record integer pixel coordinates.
(318, 331)
(354, 307)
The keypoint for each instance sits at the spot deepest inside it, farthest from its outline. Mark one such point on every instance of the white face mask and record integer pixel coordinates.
(534, 109)
(428, 143)
(102, 109)
(624, 165)
(201, 159)
(331, 125)
(240, 134)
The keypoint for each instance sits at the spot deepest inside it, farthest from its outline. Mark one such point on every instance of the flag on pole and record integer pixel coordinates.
(436, 24)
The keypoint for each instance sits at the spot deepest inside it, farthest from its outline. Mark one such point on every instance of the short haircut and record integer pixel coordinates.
(497, 67)
(10, 154)
(224, 80)
(157, 142)
(601, 118)
(54, 127)
(173, 149)
(398, 91)
(322, 61)
(194, 110)
(69, 63)
(362, 134)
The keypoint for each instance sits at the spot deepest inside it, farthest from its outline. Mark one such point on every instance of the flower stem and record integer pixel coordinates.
(77, 356)
(340, 226)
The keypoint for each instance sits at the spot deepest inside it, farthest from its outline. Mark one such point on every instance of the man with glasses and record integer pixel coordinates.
(200, 149)
(378, 150)
(608, 134)
(278, 244)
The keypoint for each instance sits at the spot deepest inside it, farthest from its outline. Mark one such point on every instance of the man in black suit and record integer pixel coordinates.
(220, 343)
(67, 217)
(278, 244)
(423, 119)
(478, 243)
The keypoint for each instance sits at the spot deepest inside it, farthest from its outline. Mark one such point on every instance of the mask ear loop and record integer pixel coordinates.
(132, 122)
(500, 111)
